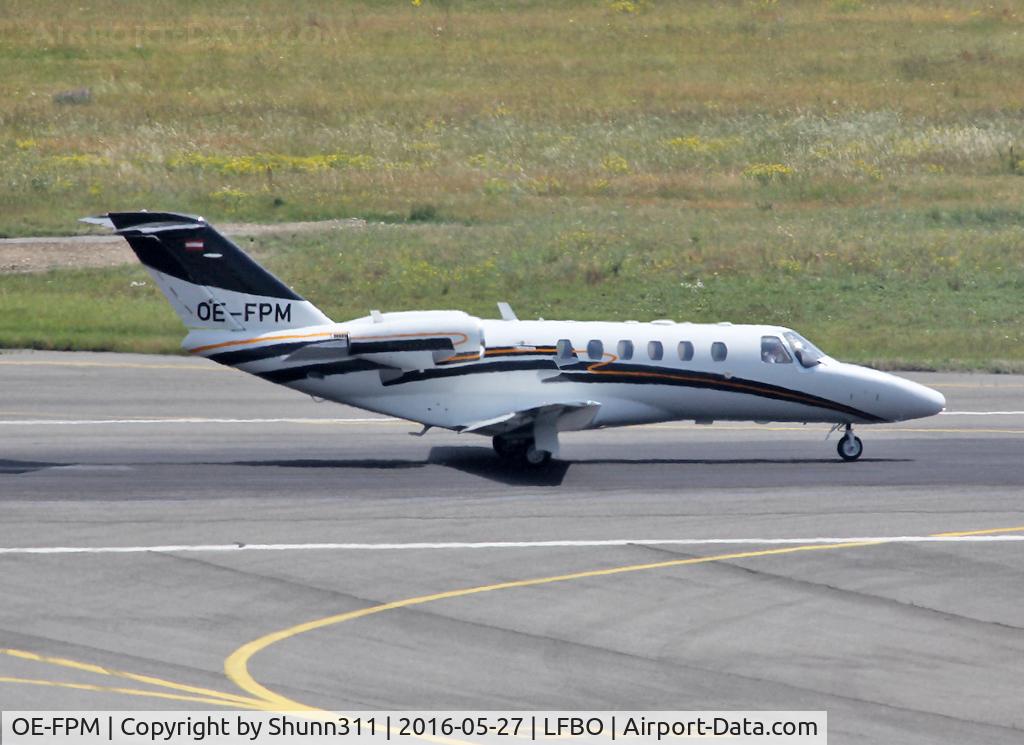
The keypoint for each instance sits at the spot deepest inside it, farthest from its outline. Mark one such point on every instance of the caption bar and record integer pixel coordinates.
(376, 727)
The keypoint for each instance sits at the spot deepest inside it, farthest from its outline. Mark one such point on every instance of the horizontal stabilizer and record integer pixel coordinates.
(102, 220)
(121, 221)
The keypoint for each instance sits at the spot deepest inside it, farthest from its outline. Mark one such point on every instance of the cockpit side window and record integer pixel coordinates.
(773, 351)
(806, 353)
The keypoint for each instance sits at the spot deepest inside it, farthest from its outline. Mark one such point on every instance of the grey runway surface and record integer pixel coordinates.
(910, 642)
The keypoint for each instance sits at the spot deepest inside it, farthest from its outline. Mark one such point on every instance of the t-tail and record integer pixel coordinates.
(216, 289)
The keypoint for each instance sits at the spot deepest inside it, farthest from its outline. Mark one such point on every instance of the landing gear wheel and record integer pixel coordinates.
(520, 450)
(535, 457)
(850, 447)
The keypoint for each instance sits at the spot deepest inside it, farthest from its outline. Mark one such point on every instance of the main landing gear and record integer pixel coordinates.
(522, 450)
(850, 447)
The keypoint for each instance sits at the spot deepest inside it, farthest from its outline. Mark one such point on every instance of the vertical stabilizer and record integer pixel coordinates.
(211, 283)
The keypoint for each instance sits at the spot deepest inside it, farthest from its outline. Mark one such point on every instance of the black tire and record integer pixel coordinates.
(536, 458)
(509, 449)
(850, 448)
(520, 451)
(501, 446)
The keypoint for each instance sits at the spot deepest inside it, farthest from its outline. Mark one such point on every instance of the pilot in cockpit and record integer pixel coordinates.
(773, 351)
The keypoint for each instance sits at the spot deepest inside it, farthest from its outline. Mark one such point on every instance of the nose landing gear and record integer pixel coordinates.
(850, 447)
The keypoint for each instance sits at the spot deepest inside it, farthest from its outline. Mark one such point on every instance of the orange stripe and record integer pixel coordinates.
(257, 340)
(501, 351)
(463, 357)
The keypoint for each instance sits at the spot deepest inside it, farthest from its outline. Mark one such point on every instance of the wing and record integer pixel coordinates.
(544, 421)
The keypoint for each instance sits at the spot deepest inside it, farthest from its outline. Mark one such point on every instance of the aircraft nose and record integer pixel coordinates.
(918, 401)
(890, 397)
(930, 401)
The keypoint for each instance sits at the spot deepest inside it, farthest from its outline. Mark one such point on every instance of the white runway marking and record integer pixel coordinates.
(230, 547)
(198, 420)
(980, 413)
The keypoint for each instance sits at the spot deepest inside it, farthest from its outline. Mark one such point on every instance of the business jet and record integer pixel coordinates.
(522, 383)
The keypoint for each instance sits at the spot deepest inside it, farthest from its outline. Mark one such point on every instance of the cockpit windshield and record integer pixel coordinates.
(806, 353)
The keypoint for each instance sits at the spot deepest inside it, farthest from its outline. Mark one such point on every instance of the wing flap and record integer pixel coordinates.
(558, 417)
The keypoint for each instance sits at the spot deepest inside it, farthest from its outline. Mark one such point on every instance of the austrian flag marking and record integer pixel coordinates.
(194, 245)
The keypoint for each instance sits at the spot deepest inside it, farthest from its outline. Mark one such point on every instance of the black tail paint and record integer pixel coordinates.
(186, 247)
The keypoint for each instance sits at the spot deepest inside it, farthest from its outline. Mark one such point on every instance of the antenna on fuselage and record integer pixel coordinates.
(507, 314)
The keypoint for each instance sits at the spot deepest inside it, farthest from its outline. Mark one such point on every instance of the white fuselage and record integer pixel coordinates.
(519, 382)
(636, 372)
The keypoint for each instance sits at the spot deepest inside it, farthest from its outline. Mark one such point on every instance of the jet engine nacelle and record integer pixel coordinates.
(416, 340)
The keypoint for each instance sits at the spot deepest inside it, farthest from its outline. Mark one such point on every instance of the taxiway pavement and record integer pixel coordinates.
(913, 641)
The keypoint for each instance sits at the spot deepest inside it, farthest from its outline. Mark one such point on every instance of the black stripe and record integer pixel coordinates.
(577, 373)
(254, 354)
(401, 345)
(492, 352)
(414, 376)
(291, 374)
(502, 351)
(242, 356)
(719, 383)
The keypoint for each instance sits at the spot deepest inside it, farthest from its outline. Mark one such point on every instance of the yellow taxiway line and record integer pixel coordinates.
(129, 692)
(236, 666)
(183, 692)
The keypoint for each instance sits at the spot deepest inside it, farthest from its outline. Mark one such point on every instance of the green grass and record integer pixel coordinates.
(852, 168)
(272, 110)
(886, 287)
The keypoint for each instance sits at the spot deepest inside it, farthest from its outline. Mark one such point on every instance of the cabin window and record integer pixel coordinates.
(564, 350)
(655, 350)
(625, 349)
(719, 351)
(595, 349)
(773, 351)
(685, 351)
